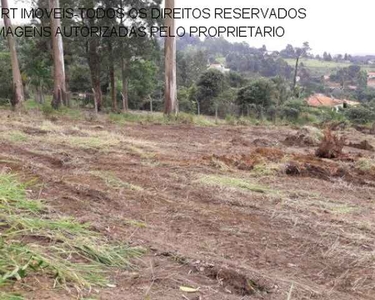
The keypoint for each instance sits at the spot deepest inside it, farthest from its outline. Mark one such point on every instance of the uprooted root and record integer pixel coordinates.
(331, 146)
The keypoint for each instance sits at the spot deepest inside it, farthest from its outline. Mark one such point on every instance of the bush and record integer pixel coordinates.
(186, 99)
(292, 109)
(290, 113)
(360, 114)
(260, 92)
(47, 110)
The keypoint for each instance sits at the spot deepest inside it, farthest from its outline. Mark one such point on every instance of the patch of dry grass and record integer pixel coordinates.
(232, 182)
(14, 136)
(112, 181)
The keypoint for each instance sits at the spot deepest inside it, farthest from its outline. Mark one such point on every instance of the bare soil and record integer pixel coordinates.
(300, 228)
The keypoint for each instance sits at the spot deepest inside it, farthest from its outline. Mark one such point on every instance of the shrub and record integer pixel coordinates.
(292, 109)
(360, 114)
(260, 92)
(47, 110)
(186, 99)
(210, 86)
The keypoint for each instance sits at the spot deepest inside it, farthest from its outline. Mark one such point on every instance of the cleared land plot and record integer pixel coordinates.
(218, 215)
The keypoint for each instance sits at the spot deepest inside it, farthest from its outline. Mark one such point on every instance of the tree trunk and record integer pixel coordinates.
(295, 74)
(39, 94)
(170, 65)
(98, 96)
(18, 92)
(94, 65)
(112, 77)
(59, 90)
(95, 100)
(125, 84)
(198, 107)
(151, 105)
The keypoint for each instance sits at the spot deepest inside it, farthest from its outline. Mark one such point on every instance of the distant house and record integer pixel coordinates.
(218, 67)
(320, 100)
(371, 79)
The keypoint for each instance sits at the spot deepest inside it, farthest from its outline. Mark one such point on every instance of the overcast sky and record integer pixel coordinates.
(333, 26)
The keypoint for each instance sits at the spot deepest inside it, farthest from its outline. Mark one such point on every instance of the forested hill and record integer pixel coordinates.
(239, 57)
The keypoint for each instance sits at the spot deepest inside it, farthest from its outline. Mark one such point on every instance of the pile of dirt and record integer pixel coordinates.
(306, 136)
(364, 145)
(365, 129)
(313, 167)
(264, 143)
(247, 162)
(320, 171)
(239, 141)
(234, 282)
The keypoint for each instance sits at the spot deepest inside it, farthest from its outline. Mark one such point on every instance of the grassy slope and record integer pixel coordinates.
(325, 67)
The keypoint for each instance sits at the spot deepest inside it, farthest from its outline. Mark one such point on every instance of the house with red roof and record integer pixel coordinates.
(320, 100)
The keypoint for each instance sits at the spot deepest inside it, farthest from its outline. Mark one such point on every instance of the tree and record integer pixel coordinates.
(235, 80)
(288, 52)
(6, 90)
(362, 80)
(191, 63)
(261, 94)
(142, 82)
(210, 86)
(300, 52)
(327, 56)
(59, 89)
(112, 76)
(171, 105)
(282, 91)
(18, 92)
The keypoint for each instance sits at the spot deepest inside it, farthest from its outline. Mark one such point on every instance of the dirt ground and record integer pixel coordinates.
(231, 211)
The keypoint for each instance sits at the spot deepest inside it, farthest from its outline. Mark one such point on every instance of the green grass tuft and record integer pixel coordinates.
(31, 104)
(62, 248)
(8, 296)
